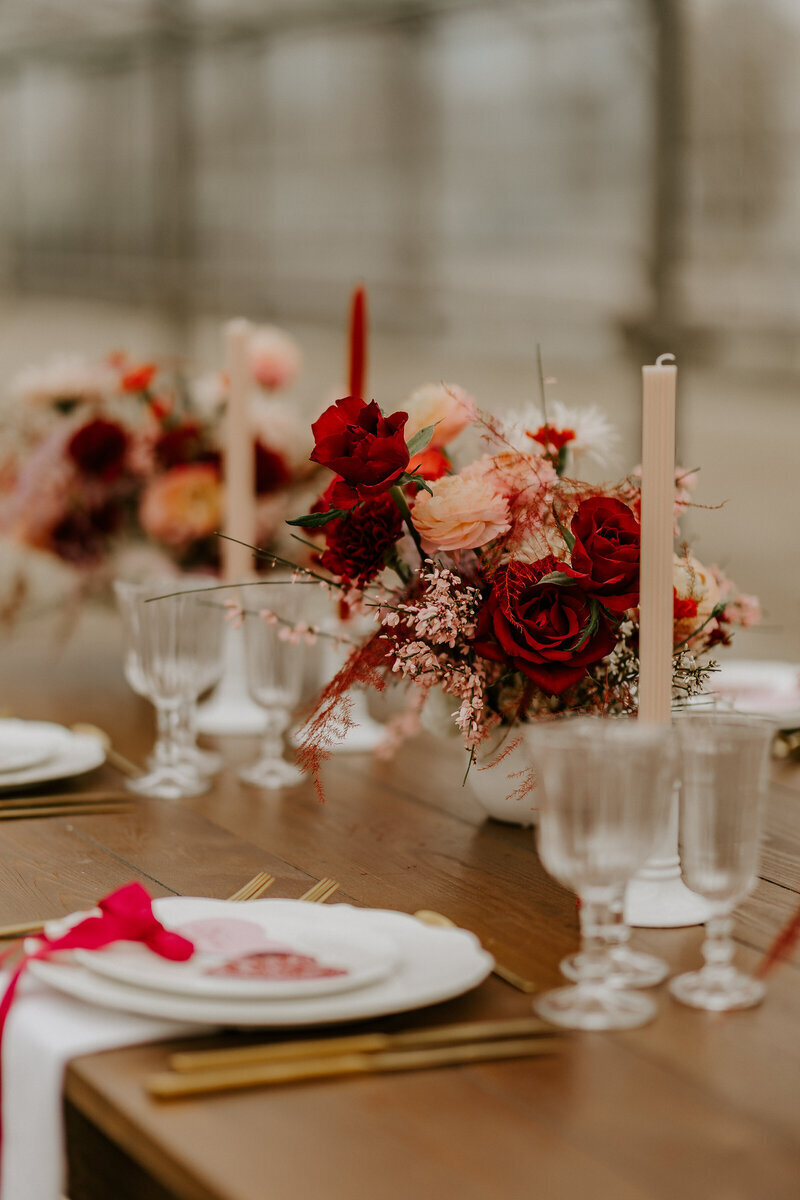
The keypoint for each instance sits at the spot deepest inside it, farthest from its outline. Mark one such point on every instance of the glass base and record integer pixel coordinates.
(717, 993)
(169, 783)
(272, 773)
(594, 1008)
(630, 968)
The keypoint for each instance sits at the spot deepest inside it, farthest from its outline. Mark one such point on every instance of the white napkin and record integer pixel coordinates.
(43, 1032)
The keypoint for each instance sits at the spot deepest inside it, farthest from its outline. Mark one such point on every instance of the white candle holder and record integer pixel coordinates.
(230, 710)
(657, 897)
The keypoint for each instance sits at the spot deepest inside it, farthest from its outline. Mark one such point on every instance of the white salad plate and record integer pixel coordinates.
(233, 943)
(430, 965)
(760, 688)
(24, 744)
(59, 753)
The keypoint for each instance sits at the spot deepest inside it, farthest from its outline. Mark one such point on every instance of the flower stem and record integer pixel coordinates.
(405, 512)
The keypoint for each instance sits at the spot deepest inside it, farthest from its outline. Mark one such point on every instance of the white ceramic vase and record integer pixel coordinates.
(495, 777)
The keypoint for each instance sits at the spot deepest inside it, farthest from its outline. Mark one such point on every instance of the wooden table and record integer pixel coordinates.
(692, 1106)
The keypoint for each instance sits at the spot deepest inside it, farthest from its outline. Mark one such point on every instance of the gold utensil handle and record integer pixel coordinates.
(170, 1085)
(362, 1043)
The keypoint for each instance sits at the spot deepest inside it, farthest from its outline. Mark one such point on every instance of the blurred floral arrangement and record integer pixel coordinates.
(116, 458)
(503, 592)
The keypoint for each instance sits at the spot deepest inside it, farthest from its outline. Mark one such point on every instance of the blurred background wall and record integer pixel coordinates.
(611, 178)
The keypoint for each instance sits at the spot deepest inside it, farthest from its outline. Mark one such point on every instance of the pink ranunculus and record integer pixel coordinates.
(464, 512)
(182, 505)
(444, 405)
(275, 358)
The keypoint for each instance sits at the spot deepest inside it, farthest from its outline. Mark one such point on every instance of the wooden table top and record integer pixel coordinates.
(693, 1105)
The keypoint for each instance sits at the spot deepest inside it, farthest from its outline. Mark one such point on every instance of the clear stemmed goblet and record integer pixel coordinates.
(723, 760)
(171, 640)
(275, 657)
(606, 790)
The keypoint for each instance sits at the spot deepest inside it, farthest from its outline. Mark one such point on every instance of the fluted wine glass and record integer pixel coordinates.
(723, 772)
(605, 791)
(275, 658)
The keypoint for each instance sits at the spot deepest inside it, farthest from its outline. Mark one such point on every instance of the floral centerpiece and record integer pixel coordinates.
(508, 587)
(101, 460)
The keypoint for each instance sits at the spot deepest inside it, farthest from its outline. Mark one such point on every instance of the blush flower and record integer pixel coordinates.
(694, 585)
(274, 357)
(446, 406)
(465, 511)
(182, 505)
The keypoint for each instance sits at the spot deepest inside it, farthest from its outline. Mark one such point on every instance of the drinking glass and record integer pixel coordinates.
(607, 786)
(172, 645)
(275, 657)
(724, 760)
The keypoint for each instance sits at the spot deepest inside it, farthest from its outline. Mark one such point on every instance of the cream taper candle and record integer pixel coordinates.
(658, 506)
(240, 489)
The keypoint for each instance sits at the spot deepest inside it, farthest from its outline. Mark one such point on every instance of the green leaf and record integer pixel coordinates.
(410, 477)
(559, 578)
(568, 537)
(316, 520)
(419, 440)
(590, 628)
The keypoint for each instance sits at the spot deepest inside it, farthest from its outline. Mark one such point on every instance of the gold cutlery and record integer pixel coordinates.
(61, 810)
(502, 972)
(123, 764)
(360, 1043)
(10, 932)
(171, 1085)
(64, 798)
(254, 887)
(321, 891)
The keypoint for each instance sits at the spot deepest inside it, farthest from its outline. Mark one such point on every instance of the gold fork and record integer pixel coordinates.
(321, 891)
(254, 887)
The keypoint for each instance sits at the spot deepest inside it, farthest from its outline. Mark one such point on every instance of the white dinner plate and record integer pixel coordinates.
(67, 753)
(760, 688)
(25, 744)
(432, 965)
(249, 953)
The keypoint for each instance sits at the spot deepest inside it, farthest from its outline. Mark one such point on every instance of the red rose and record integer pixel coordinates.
(605, 556)
(366, 449)
(356, 545)
(272, 470)
(98, 448)
(541, 628)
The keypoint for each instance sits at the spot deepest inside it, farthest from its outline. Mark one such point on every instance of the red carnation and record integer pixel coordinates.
(605, 556)
(366, 449)
(541, 628)
(356, 545)
(98, 448)
(138, 379)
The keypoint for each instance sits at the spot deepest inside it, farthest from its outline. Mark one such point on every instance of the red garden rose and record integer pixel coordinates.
(366, 449)
(98, 448)
(356, 545)
(605, 557)
(540, 628)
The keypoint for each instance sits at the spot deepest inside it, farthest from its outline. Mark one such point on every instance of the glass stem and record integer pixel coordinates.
(618, 932)
(272, 742)
(718, 949)
(597, 920)
(168, 725)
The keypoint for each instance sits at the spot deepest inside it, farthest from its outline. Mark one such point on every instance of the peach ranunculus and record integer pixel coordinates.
(275, 358)
(696, 596)
(464, 512)
(182, 505)
(444, 405)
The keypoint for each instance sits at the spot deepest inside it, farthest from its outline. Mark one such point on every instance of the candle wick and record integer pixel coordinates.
(664, 358)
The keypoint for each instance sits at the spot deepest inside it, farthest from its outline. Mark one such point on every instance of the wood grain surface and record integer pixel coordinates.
(694, 1106)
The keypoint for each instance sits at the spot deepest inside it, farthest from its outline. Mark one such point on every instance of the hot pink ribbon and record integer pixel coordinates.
(126, 916)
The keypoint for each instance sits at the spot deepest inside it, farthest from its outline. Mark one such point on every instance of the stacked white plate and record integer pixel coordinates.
(34, 752)
(759, 688)
(276, 963)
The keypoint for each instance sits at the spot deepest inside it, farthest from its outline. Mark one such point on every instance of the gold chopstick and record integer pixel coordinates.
(9, 932)
(359, 1043)
(171, 1085)
(64, 798)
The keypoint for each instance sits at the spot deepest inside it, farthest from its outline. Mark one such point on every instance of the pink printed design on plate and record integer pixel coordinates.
(277, 965)
(230, 936)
